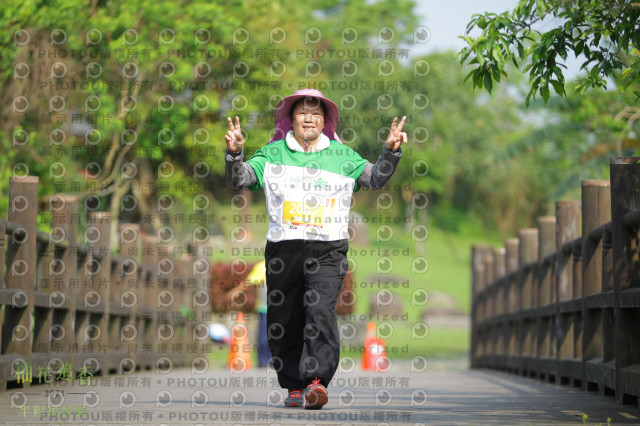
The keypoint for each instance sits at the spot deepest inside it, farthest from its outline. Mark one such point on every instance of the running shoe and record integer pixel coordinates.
(315, 396)
(294, 399)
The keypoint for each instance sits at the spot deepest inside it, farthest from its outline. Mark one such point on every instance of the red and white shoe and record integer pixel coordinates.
(294, 399)
(315, 396)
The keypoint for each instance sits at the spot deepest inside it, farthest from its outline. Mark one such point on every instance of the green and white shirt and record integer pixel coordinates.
(308, 194)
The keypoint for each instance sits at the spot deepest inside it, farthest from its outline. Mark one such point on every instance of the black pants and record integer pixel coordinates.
(303, 282)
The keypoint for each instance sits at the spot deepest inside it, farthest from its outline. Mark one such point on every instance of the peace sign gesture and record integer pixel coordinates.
(234, 138)
(396, 136)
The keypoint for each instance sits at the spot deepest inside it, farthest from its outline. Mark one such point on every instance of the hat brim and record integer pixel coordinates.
(283, 122)
(284, 106)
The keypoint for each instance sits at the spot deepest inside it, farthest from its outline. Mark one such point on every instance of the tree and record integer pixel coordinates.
(145, 88)
(120, 90)
(605, 33)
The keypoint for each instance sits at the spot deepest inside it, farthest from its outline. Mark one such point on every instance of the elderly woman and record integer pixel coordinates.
(308, 177)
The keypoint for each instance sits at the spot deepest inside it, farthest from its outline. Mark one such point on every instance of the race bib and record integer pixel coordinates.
(299, 213)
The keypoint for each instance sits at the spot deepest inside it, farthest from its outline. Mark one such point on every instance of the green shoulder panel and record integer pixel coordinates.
(337, 158)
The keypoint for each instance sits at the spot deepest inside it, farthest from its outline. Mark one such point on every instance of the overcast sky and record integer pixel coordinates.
(448, 19)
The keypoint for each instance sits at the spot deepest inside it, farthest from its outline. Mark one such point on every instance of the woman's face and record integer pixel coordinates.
(308, 119)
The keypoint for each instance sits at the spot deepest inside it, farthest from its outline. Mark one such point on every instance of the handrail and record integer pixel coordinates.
(49, 286)
(568, 248)
(570, 316)
(596, 233)
(631, 219)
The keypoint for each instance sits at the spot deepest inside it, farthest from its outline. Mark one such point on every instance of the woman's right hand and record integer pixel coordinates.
(234, 138)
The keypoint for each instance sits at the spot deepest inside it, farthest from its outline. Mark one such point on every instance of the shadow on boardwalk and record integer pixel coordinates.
(446, 393)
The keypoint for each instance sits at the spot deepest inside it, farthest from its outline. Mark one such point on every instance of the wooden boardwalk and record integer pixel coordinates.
(184, 397)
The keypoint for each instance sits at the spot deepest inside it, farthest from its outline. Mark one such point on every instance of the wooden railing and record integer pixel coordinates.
(71, 307)
(562, 307)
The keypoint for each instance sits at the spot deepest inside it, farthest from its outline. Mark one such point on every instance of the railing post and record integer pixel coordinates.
(512, 259)
(180, 307)
(608, 321)
(625, 197)
(511, 298)
(99, 238)
(475, 290)
(500, 272)
(568, 229)
(82, 315)
(147, 303)
(596, 211)
(3, 374)
(162, 303)
(64, 209)
(546, 246)
(21, 272)
(478, 286)
(43, 312)
(126, 294)
(198, 297)
(527, 254)
(489, 305)
(568, 215)
(200, 271)
(578, 325)
(489, 280)
(545, 280)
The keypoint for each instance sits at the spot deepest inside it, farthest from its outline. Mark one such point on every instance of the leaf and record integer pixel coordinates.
(521, 50)
(529, 95)
(480, 57)
(472, 72)
(563, 53)
(498, 57)
(558, 73)
(544, 91)
(463, 54)
(472, 23)
(468, 39)
(558, 87)
(477, 80)
(541, 8)
(478, 42)
(524, 8)
(489, 44)
(488, 82)
(495, 74)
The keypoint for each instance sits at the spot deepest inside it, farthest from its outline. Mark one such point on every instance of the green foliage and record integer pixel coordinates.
(478, 158)
(134, 63)
(605, 33)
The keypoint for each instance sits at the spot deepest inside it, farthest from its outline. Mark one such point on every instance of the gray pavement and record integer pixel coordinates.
(445, 393)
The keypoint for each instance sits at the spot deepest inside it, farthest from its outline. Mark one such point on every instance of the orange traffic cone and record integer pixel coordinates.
(374, 357)
(239, 352)
(370, 336)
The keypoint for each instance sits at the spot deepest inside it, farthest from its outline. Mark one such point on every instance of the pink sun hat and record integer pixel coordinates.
(283, 124)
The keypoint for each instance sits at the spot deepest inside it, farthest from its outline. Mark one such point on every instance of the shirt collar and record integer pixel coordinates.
(293, 144)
